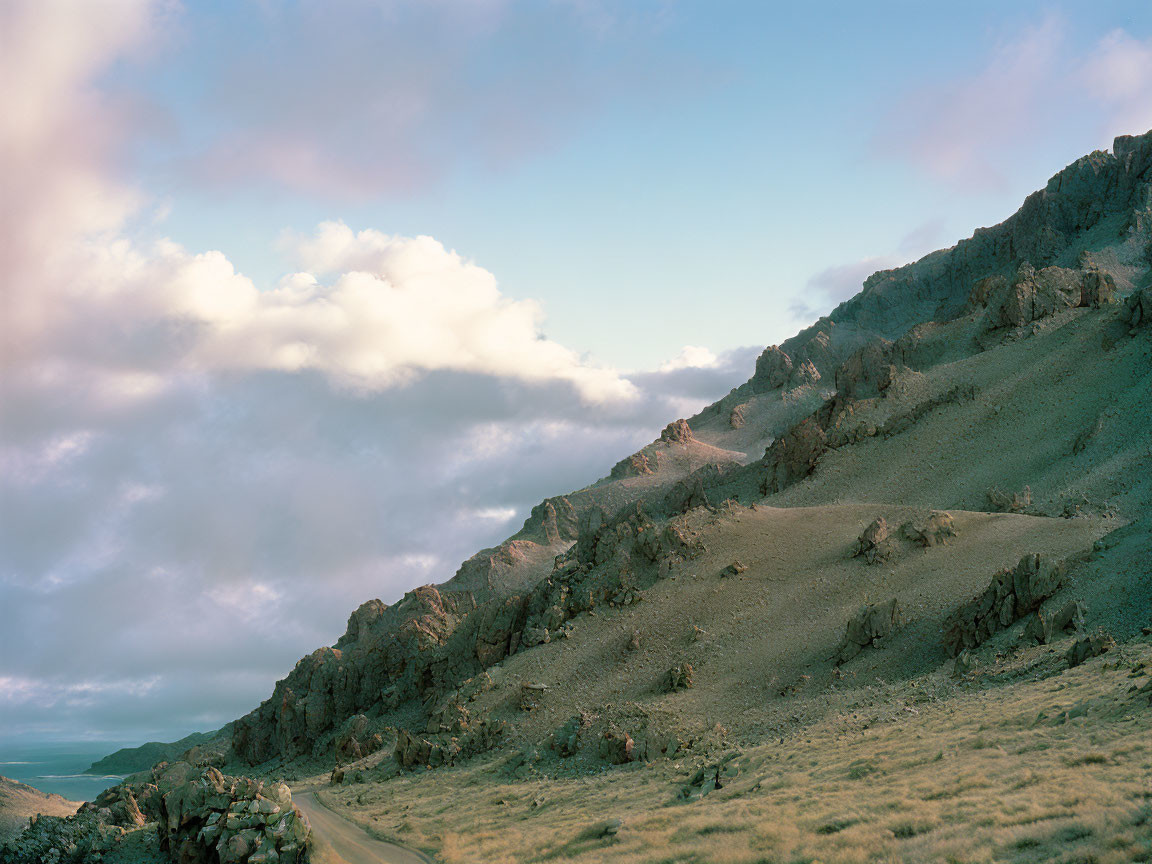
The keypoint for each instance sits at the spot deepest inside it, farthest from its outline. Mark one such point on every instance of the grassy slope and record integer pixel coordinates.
(896, 761)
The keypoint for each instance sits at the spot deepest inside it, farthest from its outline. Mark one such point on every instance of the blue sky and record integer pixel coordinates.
(305, 303)
(651, 157)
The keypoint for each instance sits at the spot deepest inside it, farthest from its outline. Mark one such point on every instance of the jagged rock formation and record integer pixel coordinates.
(936, 530)
(1092, 645)
(636, 465)
(1012, 594)
(874, 544)
(677, 432)
(773, 369)
(200, 815)
(19, 801)
(870, 627)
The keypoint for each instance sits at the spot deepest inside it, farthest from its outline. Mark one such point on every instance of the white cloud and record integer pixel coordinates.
(200, 479)
(690, 357)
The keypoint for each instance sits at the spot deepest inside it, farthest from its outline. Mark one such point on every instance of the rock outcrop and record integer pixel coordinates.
(1012, 594)
(1092, 645)
(201, 817)
(935, 530)
(773, 369)
(677, 432)
(874, 544)
(870, 627)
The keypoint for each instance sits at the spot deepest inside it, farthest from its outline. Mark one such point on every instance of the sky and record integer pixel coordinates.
(303, 303)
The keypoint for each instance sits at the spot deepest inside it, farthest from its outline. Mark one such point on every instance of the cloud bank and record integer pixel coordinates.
(201, 477)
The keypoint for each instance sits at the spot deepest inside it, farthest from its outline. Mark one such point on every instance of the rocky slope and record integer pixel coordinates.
(951, 466)
(129, 760)
(19, 802)
(917, 347)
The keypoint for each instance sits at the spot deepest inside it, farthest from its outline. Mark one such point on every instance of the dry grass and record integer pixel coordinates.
(987, 774)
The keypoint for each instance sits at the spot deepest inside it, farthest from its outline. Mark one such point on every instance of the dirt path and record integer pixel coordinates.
(338, 841)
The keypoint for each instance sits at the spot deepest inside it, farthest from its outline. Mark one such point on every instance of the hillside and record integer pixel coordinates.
(19, 801)
(129, 760)
(888, 599)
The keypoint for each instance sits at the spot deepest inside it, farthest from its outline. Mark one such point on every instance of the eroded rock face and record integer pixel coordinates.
(551, 521)
(736, 418)
(387, 654)
(1012, 594)
(677, 432)
(355, 740)
(1088, 647)
(1034, 294)
(1046, 627)
(201, 817)
(794, 455)
(1097, 289)
(870, 627)
(636, 465)
(869, 371)
(805, 374)
(773, 369)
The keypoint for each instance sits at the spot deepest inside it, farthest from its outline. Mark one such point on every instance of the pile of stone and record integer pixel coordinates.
(1012, 594)
(200, 815)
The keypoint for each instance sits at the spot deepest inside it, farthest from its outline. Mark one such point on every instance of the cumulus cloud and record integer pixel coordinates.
(200, 477)
(690, 357)
(1035, 82)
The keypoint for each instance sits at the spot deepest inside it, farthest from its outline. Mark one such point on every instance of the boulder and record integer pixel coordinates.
(935, 530)
(874, 544)
(678, 678)
(1088, 647)
(616, 747)
(870, 627)
(793, 456)
(733, 569)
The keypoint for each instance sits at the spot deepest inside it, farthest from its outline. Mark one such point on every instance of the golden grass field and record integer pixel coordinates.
(1025, 762)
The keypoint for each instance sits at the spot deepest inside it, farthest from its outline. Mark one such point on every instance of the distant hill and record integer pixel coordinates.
(18, 801)
(129, 760)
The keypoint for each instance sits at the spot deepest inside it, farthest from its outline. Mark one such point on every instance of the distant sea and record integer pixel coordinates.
(59, 767)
